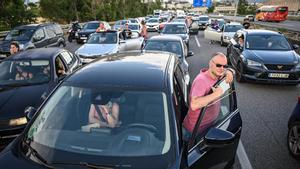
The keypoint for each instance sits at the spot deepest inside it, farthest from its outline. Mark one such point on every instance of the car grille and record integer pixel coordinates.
(279, 67)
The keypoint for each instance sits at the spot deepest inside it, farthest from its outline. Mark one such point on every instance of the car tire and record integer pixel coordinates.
(292, 140)
(61, 45)
(70, 39)
(79, 42)
(239, 73)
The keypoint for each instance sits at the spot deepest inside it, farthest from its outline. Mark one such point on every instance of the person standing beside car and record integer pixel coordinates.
(144, 32)
(14, 47)
(200, 95)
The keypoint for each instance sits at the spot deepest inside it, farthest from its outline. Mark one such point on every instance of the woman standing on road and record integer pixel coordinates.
(144, 32)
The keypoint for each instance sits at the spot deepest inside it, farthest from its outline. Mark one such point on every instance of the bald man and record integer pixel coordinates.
(200, 95)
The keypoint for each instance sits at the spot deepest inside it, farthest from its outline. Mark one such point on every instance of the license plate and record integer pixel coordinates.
(278, 75)
(83, 37)
(2, 56)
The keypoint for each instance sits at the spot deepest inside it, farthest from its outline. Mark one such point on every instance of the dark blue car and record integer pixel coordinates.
(148, 89)
(293, 138)
(265, 56)
(26, 79)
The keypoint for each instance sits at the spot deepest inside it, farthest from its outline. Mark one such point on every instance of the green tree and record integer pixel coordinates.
(14, 13)
(242, 7)
(211, 9)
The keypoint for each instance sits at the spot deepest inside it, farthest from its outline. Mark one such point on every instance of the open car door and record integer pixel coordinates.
(214, 145)
(135, 42)
(212, 34)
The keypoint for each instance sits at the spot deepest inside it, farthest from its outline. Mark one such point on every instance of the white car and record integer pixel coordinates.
(224, 34)
(152, 24)
(106, 43)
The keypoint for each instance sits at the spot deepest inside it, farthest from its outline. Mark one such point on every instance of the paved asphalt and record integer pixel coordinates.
(265, 110)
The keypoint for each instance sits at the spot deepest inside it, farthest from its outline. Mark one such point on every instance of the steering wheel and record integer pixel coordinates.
(148, 127)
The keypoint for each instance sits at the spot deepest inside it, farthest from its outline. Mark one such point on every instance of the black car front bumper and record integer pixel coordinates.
(262, 75)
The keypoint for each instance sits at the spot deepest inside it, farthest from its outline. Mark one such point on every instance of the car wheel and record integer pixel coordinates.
(239, 74)
(293, 140)
(70, 38)
(78, 42)
(61, 45)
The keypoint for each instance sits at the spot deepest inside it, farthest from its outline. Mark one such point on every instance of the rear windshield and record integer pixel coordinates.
(203, 19)
(91, 26)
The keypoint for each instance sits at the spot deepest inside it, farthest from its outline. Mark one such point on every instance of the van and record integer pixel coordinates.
(33, 36)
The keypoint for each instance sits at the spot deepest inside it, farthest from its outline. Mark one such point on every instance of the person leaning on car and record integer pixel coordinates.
(200, 97)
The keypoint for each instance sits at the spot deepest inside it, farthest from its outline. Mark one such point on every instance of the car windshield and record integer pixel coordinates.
(203, 19)
(267, 42)
(24, 72)
(179, 20)
(232, 28)
(174, 29)
(133, 27)
(67, 122)
(168, 46)
(152, 21)
(103, 38)
(91, 26)
(20, 34)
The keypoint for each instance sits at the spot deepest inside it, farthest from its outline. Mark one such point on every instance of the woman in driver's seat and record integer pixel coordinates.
(104, 112)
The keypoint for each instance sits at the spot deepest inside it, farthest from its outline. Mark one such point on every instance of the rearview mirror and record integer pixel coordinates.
(218, 138)
(190, 53)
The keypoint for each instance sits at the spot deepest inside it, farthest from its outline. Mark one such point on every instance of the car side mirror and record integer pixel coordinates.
(190, 53)
(29, 112)
(216, 137)
(295, 46)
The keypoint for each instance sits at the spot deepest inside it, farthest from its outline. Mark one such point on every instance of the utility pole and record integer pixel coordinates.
(235, 12)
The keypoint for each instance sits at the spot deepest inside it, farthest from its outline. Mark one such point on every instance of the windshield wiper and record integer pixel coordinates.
(93, 166)
(37, 155)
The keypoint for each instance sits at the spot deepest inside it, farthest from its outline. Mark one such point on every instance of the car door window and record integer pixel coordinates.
(39, 35)
(215, 113)
(67, 58)
(60, 67)
(50, 32)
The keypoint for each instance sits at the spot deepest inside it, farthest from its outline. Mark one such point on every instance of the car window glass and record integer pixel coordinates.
(24, 72)
(68, 59)
(20, 34)
(143, 127)
(267, 42)
(60, 68)
(215, 113)
(39, 35)
(50, 32)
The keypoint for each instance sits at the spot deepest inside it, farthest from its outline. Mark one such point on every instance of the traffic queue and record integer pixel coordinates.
(125, 99)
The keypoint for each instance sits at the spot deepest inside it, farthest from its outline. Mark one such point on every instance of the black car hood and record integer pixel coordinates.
(87, 32)
(13, 100)
(10, 159)
(272, 57)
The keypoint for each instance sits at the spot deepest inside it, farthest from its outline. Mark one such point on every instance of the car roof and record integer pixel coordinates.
(166, 37)
(138, 70)
(233, 23)
(175, 23)
(38, 53)
(260, 32)
(33, 26)
(94, 22)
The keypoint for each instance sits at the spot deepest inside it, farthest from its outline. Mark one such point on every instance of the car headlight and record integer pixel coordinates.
(18, 121)
(253, 63)
(227, 37)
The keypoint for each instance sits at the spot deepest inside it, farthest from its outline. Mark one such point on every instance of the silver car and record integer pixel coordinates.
(106, 43)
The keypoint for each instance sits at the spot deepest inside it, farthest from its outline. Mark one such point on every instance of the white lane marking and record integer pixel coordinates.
(198, 43)
(242, 156)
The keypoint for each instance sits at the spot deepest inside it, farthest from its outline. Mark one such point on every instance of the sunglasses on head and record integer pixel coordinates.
(220, 65)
